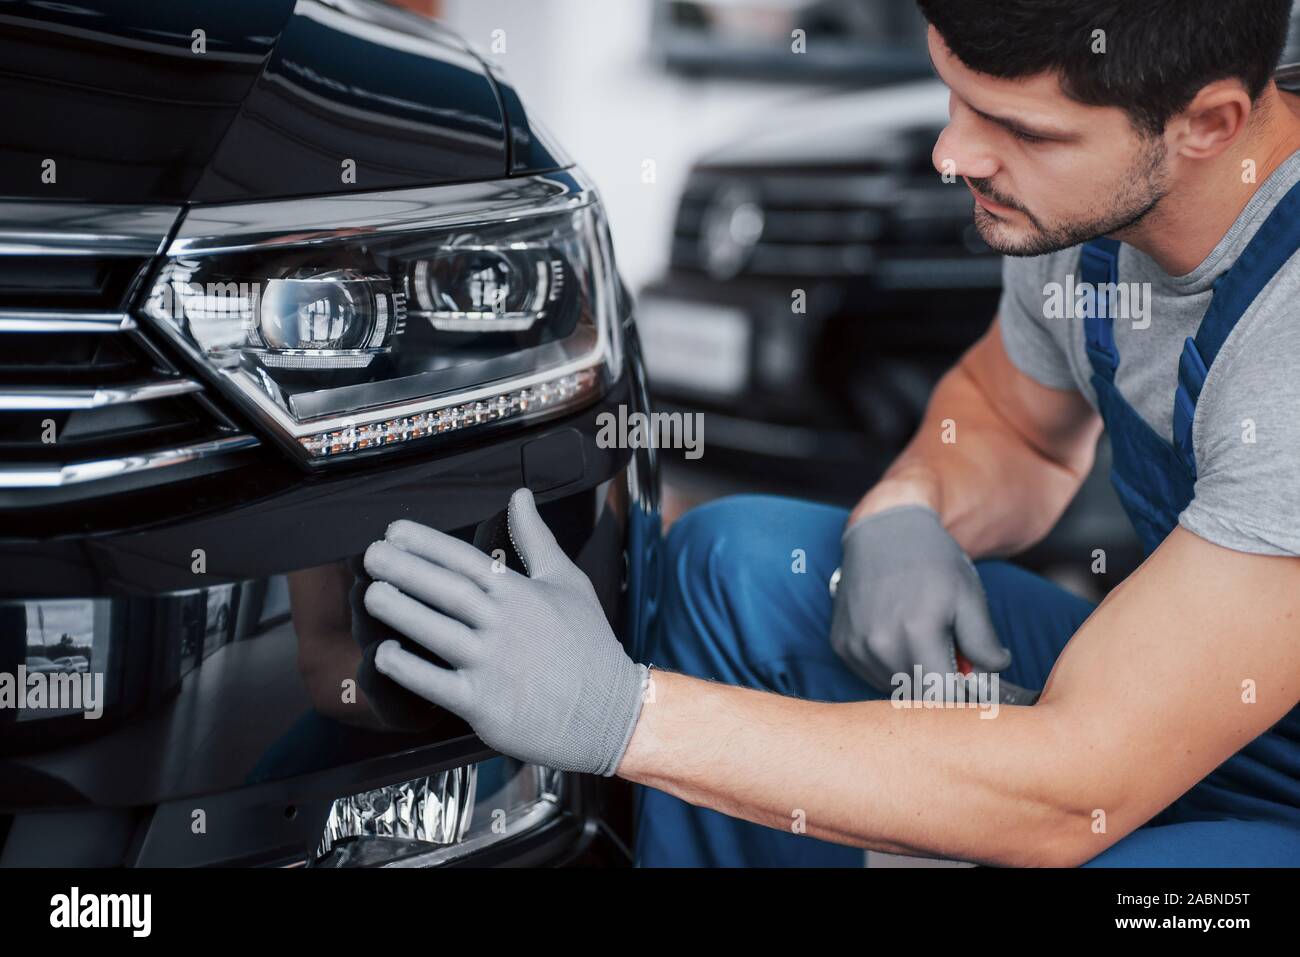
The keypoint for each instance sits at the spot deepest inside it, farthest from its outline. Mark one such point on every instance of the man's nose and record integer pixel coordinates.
(962, 151)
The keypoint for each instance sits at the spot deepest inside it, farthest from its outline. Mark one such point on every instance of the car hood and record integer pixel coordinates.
(883, 127)
(114, 102)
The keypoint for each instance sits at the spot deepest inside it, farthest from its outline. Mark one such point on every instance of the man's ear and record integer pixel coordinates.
(1212, 122)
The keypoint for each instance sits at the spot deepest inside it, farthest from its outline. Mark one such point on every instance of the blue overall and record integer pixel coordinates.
(734, 612)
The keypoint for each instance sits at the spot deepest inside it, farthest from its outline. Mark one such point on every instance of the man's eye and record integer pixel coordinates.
(1028, 137)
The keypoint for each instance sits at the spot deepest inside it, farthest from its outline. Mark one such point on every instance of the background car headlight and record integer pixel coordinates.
(352, 323)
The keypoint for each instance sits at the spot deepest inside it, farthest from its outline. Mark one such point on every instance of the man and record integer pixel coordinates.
(1167, 731)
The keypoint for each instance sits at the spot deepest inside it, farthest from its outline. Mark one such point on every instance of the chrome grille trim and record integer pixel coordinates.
(64, 398)
(36, 320)
(48, 231)
(94, 470)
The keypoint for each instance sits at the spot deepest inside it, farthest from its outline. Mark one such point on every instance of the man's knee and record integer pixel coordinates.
(709, 550)
(748, 542)
(745, 577)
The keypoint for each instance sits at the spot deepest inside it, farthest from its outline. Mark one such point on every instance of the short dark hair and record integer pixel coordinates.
(1159, 53)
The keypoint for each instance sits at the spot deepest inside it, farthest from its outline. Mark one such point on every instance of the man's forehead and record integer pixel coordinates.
(1034, 101)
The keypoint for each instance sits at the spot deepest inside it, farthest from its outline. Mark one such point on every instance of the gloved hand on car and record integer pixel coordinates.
(534, 666)
(908, 595)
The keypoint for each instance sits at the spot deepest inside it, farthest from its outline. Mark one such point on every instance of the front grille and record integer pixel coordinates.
(75, 396)
(900, 230)
(85, 395)
(65, 282)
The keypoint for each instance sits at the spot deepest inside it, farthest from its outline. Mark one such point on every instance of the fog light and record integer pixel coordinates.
(442, 817)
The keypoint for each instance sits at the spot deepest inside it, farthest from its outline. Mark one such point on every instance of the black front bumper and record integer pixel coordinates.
(216, 609)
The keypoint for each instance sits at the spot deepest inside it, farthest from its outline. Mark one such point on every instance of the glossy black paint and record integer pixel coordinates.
(365, 84)
(532, 150)
(284, 93)
(113, 94)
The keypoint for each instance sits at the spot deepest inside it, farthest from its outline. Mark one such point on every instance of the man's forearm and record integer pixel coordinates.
(996, 492)
(934, 782)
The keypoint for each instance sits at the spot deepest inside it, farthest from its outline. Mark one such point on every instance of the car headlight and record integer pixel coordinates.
(352, 323)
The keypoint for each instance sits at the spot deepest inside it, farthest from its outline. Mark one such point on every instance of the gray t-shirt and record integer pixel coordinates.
(1246, 434)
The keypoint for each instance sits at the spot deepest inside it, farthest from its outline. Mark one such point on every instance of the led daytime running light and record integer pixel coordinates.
(550, 394)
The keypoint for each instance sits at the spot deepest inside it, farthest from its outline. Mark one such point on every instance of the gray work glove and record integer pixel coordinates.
(908, 595)
(535, 668)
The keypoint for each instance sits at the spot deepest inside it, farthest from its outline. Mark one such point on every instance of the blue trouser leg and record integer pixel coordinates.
(1221, 843)
(737, 609)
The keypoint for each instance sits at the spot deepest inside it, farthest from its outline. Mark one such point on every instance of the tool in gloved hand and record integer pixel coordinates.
(906, 594)
(1008, 693)
(534, 666)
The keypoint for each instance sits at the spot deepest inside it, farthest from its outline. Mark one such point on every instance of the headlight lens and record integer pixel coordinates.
(488, 288)
(415, 321)
(336, 319)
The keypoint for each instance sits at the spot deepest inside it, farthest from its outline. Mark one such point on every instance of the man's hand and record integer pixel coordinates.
(535, 668)
(908, 596)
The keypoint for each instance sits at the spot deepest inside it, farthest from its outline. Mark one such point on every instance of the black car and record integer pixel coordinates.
(274, 274)
(823, 276)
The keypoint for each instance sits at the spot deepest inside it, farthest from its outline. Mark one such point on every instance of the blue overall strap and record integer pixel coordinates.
(1099, 266)
(1273, 245)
